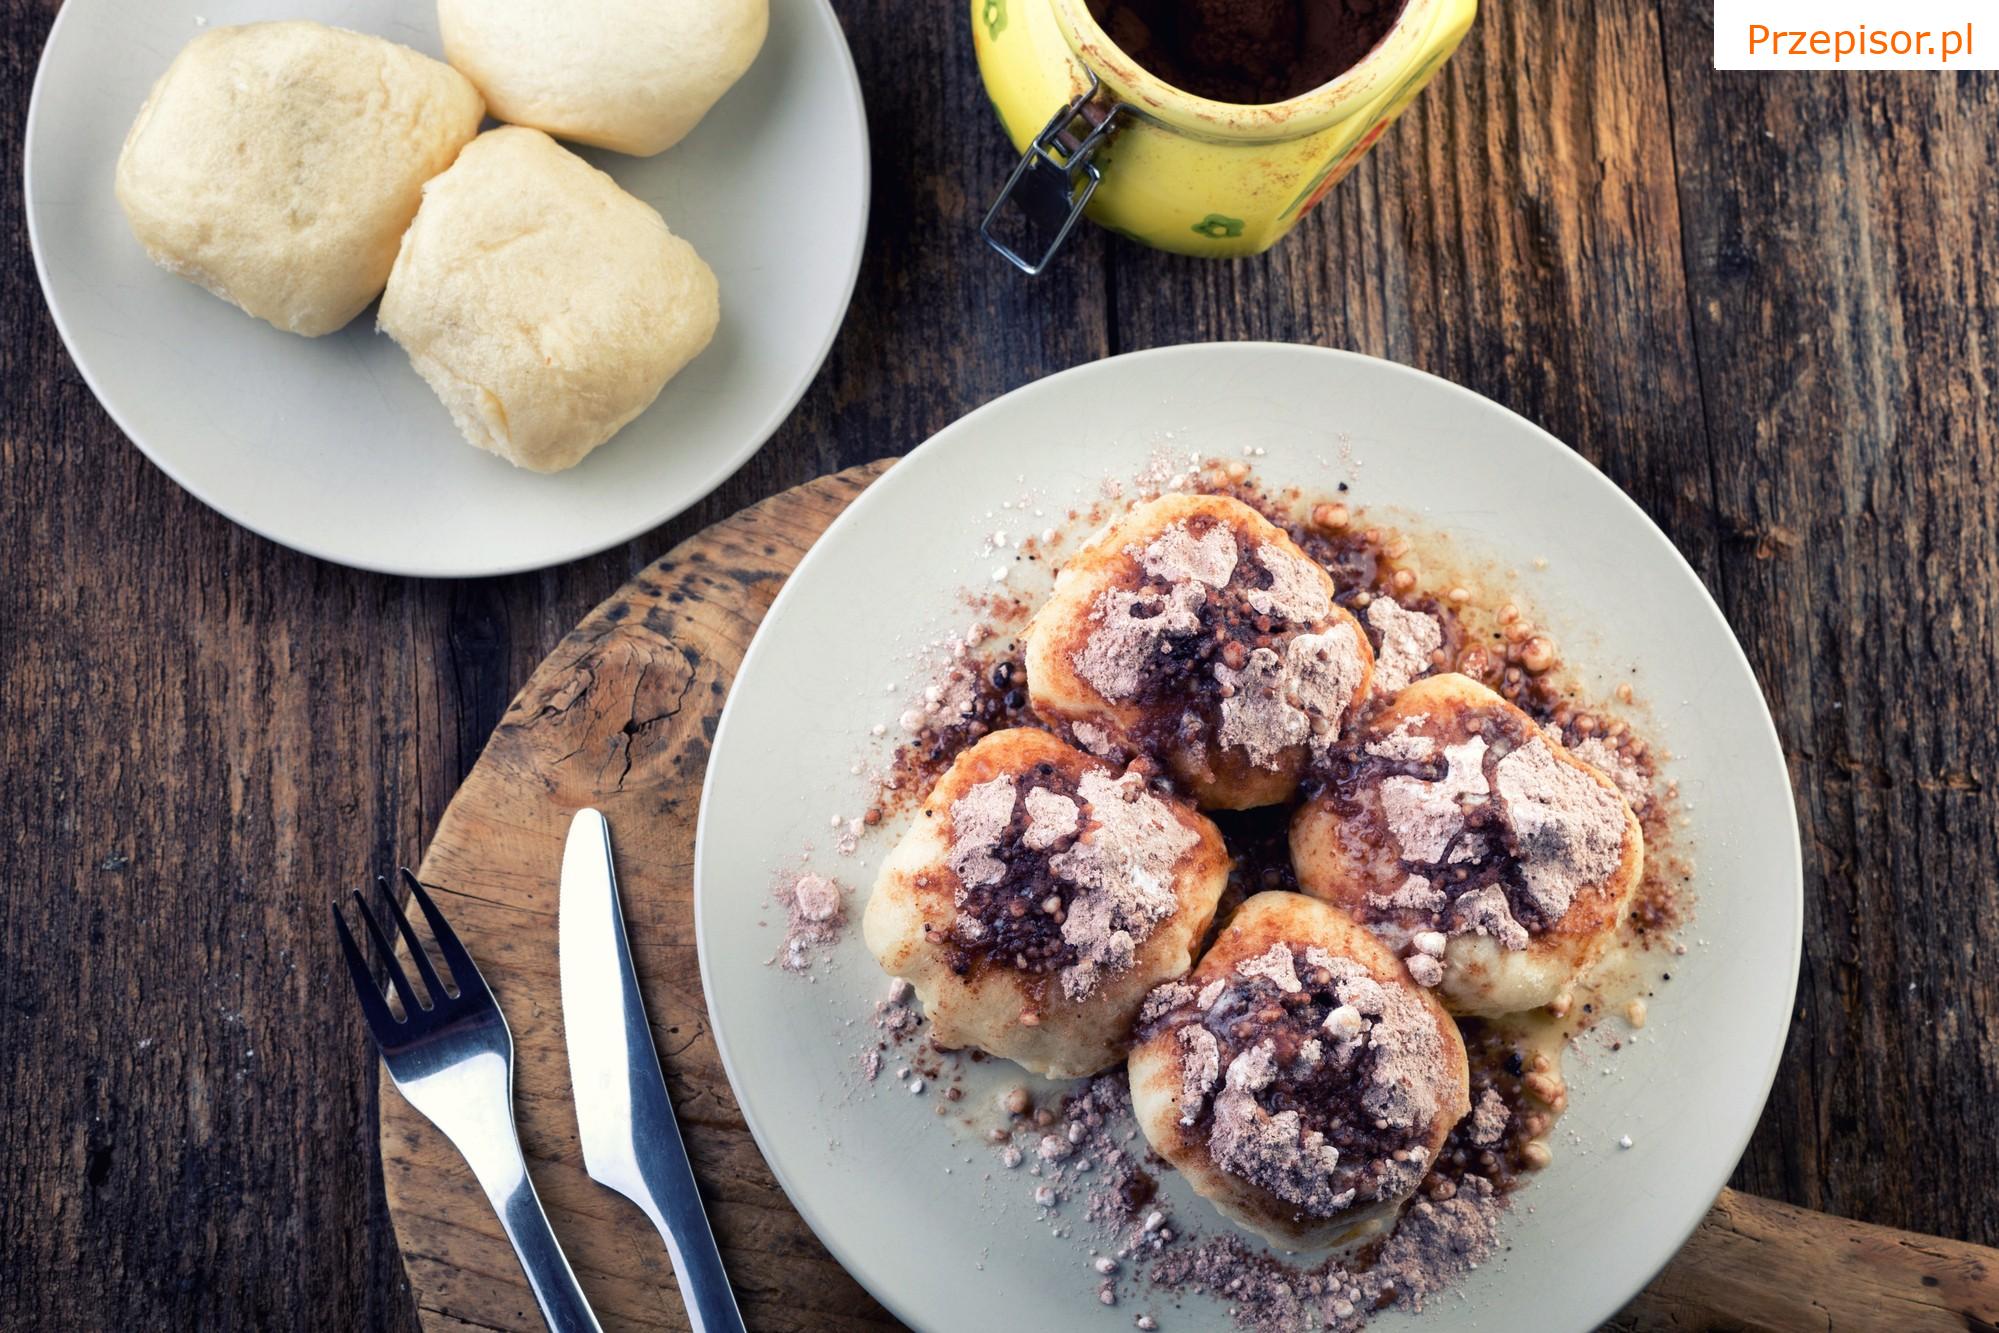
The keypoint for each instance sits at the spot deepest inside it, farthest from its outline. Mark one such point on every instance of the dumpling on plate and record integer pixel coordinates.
(630, 75)
(1195, 631)
(279, 164)
(1038, 898)
(1297, 1077)
(1476, 845)
(544, 305)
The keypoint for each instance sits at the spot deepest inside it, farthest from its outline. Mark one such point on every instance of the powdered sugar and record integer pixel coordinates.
(1272, 704)
(1570, 830)
(979, 820)
(1425, 816)
(1123, 872)
(1407, 640)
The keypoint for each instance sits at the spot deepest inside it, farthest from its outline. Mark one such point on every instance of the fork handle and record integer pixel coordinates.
(555, 1288)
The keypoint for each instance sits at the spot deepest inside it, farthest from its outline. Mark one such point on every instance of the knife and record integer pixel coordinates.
(631, 1141)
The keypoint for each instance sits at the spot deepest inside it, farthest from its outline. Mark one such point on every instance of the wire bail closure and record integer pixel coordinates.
(1056, 175)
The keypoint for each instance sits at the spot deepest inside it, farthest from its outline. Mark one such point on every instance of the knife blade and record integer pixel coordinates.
(631, 1140)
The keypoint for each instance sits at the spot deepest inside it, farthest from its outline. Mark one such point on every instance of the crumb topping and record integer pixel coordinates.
(1632, 783)
(815, 914)
(1178, 555)
(1123, 875)
(979, 820)
(1053, 876)
(1489, 1118)
(1407, 640)
(1414, 894)
(1424, 816)
(1403, 743)
(1201, 1065)
(1241, 635)
(1306, 1076)
(1486, 912)
(1297, 590)
(1051, 817)
(1093, 739)
(1275, 1151)
(1275, 703)
(1497, 834)
(1130, 628)
(1569, 829)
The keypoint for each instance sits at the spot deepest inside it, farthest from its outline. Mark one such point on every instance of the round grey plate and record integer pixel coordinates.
(333, 445)
(924, 1216)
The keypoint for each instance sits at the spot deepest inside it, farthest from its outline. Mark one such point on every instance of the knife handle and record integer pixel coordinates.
(690, 1242)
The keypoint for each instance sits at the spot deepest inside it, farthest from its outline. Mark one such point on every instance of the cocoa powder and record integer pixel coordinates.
(1247, 51)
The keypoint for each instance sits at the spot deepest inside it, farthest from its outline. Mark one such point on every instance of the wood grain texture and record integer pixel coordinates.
(1767, 305)
(619, 717)
(1773, 1268)
(1845, 306)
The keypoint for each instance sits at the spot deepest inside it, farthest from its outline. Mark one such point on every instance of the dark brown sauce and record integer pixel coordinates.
(1498, 1064)
(1248, 52)
(1260, 843)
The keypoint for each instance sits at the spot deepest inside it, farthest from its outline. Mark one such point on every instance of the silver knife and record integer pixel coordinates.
(631, 1141)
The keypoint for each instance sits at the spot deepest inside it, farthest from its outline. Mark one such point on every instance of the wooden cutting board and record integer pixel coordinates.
(620, 717)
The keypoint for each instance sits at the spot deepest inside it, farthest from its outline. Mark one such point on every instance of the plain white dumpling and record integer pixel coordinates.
(278, 164)
(542, 303)
(630, 75)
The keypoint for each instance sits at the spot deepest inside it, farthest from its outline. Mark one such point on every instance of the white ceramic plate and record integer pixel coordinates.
(333, 445)
(868, 1169)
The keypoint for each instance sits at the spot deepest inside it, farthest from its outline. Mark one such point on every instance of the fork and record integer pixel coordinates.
(453, 1060)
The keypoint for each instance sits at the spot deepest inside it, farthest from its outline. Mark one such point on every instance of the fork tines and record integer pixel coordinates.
(438, 1002)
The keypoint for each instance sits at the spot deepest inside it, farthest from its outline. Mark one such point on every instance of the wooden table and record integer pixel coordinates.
(1768, 306)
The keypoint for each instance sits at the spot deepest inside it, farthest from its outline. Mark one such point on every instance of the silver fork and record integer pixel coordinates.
(453, 1060)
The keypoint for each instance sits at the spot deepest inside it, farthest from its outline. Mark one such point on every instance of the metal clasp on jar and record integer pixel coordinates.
(1056, 175)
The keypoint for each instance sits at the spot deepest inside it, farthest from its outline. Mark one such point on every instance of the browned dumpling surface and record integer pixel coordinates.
(1039, 896)
(1474, 844)
(1194, 631)
(1297, 1077)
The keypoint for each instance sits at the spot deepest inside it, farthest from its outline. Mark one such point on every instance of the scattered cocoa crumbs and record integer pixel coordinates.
(1436, 1242)
(1078, 1157)
(816, 914)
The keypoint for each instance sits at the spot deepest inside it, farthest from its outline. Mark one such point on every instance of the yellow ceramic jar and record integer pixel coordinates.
(1181, 172)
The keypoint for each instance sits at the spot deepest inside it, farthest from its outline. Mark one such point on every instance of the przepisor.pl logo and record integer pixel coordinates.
(1856, 34)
